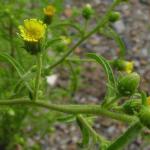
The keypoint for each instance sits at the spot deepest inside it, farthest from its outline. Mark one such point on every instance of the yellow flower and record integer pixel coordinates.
(33, 30)
(148, 100)
(129, 66)
(49, 10)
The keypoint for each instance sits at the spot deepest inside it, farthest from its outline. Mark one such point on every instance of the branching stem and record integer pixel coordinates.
(72, 109)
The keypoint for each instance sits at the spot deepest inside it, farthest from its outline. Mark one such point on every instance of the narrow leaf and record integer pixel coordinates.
(119, 41)
(108, 70)
(20, 70)
(85, 132)
(127, 137)
(13, 62)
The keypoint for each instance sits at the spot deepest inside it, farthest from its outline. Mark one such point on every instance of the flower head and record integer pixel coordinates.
(49, 10)
(129, 66)
(33, 30)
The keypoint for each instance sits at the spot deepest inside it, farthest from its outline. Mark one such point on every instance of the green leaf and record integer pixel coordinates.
(59, 5)
(20, 70)
(119, 41)
(66, 119)
(13, 62)
(127, 137)
(85, 133)
(105, 64)
(144, 98)
(109, 32)
(111, 86)
(24, 78)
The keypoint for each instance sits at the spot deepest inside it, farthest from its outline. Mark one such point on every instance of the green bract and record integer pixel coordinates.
(144, 116)
(132, 106)
(128, 84)
(33, 47)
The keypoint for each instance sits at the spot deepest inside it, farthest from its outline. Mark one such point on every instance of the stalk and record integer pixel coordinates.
(37, 80)
(72, 109)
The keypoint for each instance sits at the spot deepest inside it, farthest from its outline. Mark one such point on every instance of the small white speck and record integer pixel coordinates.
(52, 79)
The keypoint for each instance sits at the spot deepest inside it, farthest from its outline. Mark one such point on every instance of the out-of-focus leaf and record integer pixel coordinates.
(20, 70)
(13, 62)
(111, 33)
(66, 119)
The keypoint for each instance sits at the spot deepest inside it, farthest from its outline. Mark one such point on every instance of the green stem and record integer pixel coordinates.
(102, 23)
(37, 81)
(72, 109)
(127, 137)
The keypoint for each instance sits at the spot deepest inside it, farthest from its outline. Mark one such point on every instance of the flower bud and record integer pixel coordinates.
(114, 16)
(144, 116)
(128, 84)
(132, 106)
(87, 11)
(49, 12)
(122, 65)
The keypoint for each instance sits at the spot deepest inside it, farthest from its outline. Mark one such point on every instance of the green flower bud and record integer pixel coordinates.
(144, 116)
(132, 106)
(114, 16)
(128, 84)
(122, 65)
(87, 11)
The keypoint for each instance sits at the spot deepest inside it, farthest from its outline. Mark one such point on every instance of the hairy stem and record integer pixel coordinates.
(37, 81)
(73, 109)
